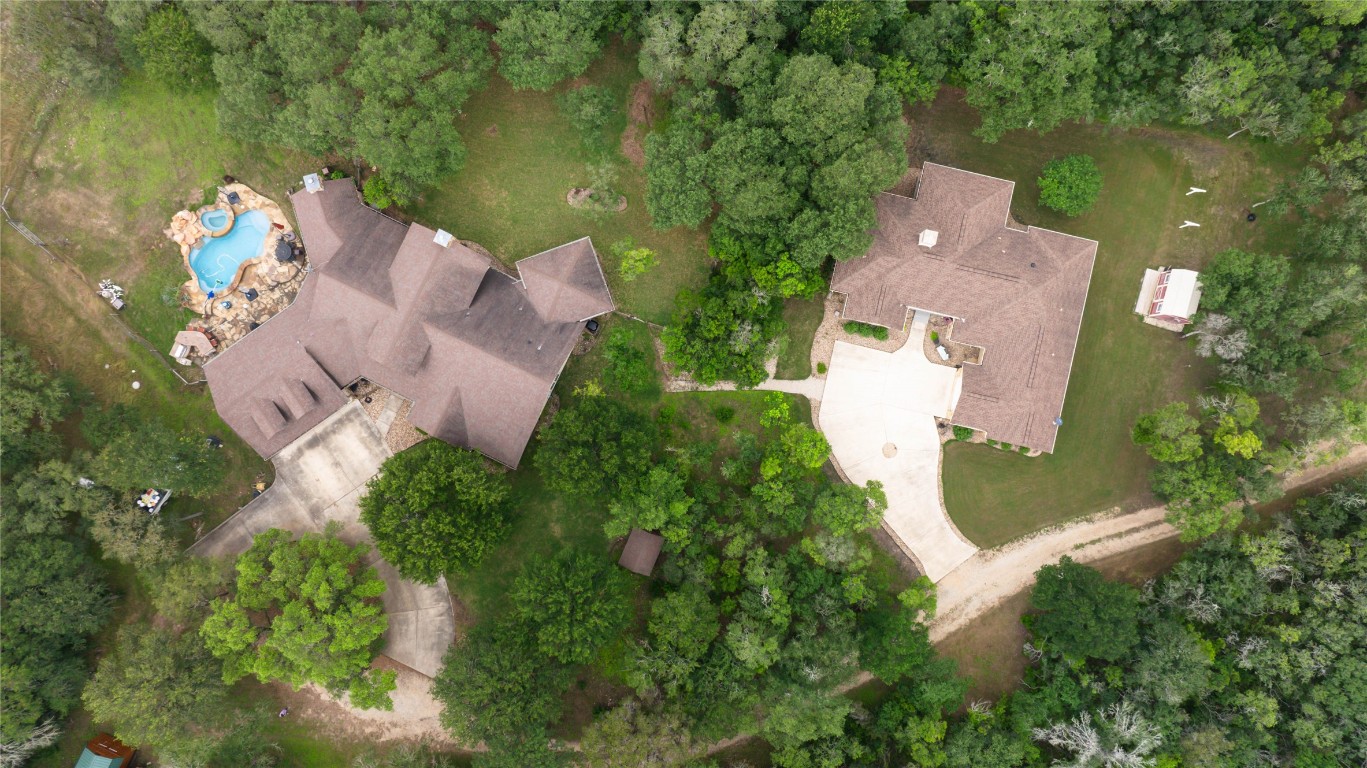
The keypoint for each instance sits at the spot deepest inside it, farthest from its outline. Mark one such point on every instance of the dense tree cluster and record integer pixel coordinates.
(434, 510)
(303, 611)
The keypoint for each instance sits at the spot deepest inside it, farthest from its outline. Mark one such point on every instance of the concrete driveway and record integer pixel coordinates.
(319, 478)
(878, 411)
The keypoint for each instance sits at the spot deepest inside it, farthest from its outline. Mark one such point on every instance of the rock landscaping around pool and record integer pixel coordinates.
(194, 230)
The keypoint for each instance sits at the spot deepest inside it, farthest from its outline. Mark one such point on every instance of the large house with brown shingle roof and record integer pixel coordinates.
(477, 350)
(1017, 293)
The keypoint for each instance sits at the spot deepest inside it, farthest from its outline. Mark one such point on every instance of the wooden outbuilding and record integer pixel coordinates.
(641, 552)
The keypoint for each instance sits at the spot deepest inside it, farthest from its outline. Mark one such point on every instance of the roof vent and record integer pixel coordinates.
(312, 183)
(929, 238)
(443, 238)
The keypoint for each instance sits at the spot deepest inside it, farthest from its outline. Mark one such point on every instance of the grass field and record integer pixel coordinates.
(524, 156)
(802, 316)
(1122, 367)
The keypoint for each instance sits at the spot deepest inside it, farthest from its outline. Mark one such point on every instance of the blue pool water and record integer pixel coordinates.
(214, 220)
(216, 261)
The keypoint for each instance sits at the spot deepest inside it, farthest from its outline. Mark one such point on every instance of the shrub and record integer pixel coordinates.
(588, 109)
(994, 443)
(172, 51)
(1008, 447)
(821, 368)
(1070, 185)
(934, 337)
(865, 329)
(963, 433)
(632, 261)
(630, 368)
(724, 413)
(1023, 449)
(379, 193)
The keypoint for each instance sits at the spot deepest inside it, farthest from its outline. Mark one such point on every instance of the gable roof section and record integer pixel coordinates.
(566, 283)
(470, 346)
(1017, 294)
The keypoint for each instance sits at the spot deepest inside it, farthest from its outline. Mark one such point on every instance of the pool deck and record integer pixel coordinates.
(276, 284)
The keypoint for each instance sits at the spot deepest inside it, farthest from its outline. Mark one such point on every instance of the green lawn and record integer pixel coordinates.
(524, 156)
(802, 317)
(1122, 367)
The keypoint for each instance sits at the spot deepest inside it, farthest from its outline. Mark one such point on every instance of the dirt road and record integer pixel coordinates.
(994, 575)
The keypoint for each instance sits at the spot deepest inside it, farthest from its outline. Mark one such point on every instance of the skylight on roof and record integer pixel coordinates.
(929, 238)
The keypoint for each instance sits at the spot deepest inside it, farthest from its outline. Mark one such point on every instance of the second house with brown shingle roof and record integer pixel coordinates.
(1016, 293)
(476, 350)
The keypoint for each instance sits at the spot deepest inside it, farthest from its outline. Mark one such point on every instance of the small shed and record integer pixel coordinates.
(641, 552)
(105, 751)
(1169, 297)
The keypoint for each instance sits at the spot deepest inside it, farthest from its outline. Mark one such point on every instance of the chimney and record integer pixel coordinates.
(929, 238)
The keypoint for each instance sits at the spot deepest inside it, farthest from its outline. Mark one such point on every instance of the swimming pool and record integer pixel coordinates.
(214, 219)
(216, 261)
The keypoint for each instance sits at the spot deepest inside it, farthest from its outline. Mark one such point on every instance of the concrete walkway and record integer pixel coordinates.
(319, 478)
(878, 410)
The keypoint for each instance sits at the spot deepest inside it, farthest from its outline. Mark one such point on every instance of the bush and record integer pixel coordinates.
(632, 262)
(630, 368)
(172, 51)
(934, 337)
(724, 413)
(963, 433)
(379, 193)
(820, 368)
(1070, 185)
(865, 329)
(1008, 447)
(994, 443)
(1023, 449)
(588, 109)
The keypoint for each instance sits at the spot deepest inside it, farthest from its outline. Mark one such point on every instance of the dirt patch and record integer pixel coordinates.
(989, 652)
(491, 130)
(587, 197)
(640, 117)
(416, 715)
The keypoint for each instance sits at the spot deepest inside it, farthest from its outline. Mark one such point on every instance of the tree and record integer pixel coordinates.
(184, 592)
(676, 167)
(657, 501)
(130, 535)
(1200, 495)
(1218, 335)
(593, 447)
(1034, 66)
(682, 626)
(1081, 615)
(541, 44)
(631, 735)
(172, 51)
(631, 363)
(1169, 434)
(42, 499)
(156, 687)
(1248, 287)
(573, 604)
(1120, 736)
(31, 403)
(304, 611)
(497, 687)
(435, 509)
(72, 42)
(589, 108)
(149, 455)
(1070, 184)
(847, 509)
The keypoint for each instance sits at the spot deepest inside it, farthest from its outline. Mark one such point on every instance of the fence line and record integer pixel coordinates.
(123, 325)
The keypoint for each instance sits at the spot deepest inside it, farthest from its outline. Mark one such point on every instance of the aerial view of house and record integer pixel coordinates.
(683, 383)
(476, 349)
(1015, 292)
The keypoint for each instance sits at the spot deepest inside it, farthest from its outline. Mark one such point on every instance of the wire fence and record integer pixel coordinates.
(110, 311)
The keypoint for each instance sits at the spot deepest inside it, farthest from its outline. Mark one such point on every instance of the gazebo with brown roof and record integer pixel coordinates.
(641, 552)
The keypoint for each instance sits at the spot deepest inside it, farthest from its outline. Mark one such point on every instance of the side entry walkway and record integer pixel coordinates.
(319, 478)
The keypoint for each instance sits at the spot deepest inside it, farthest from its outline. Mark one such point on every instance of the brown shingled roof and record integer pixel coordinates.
(473, 348)
(641, 552)
(1017, 294)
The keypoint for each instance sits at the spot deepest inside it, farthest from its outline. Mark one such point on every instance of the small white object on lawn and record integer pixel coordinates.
(1186, 224)
(137, 385)
(1195, 191)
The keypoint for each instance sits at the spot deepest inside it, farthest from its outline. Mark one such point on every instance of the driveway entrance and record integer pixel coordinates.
(879, 413)
(319, 478)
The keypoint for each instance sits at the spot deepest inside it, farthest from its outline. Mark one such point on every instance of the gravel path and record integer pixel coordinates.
(991, 576)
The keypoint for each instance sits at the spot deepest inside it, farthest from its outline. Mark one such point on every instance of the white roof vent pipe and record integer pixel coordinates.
(929, 238)
(443, 238)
